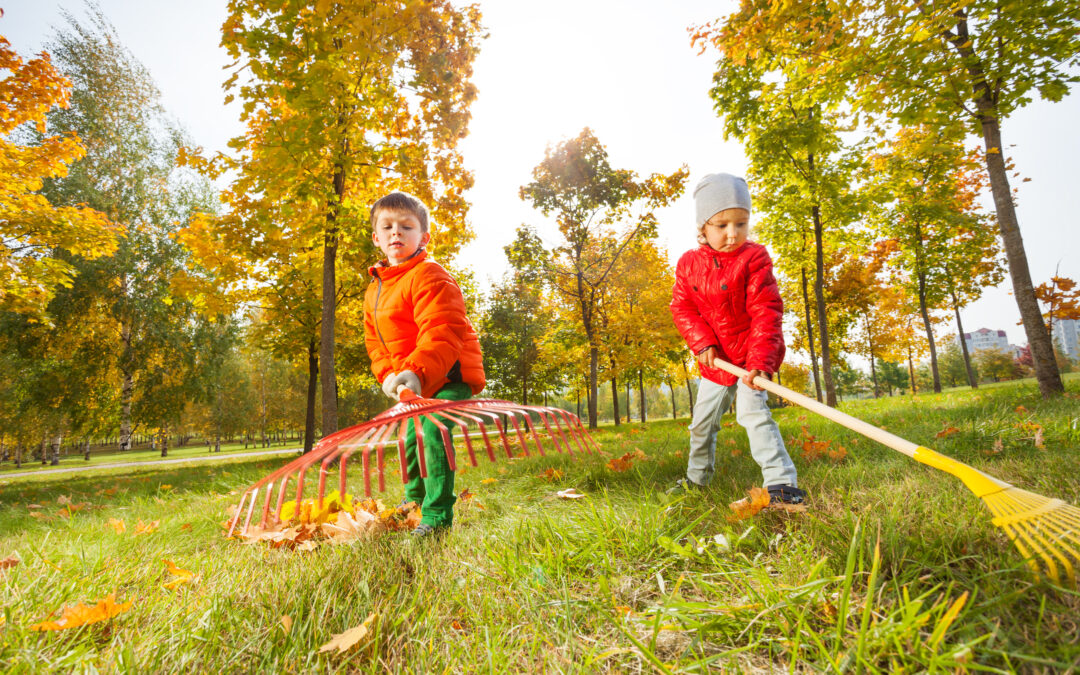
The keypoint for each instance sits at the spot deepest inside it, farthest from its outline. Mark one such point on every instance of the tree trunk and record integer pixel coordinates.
(127, 388)
(689, 390)
(165, 441)
(594, 356)
(963, 343)
(57, 440)
(44, 449)
(1042, 349)
(615, 399)
(911, 373)
(641, 395)
(18, 455)
(810, 335)
(870, 346)
(819, 296)
(920, 273)
(86, 449)
(674, 410)
(313, 378)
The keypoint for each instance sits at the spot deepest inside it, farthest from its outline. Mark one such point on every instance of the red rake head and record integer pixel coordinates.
(471, 416)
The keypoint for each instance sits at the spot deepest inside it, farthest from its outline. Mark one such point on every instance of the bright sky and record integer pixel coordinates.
(624, 68)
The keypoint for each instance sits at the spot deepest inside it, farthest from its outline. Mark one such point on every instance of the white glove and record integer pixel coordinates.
(387, 386)
(405, 378)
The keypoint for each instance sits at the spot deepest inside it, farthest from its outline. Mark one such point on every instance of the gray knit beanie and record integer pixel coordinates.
(718, 191)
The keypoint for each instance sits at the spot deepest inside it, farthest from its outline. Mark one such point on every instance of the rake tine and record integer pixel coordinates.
(571, 430)
(265, 513)
(547, 427)
(497, 421)
(402, 461)
(386, 431)
(517, 429)
(448, 447)
(418, 434)
(464, 432)
(239, 511)
(342, 454)
(483, 434)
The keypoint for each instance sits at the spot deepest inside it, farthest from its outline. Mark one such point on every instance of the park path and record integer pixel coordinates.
(151, 462)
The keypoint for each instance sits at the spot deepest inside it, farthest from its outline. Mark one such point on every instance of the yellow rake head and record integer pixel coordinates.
(1047, 531)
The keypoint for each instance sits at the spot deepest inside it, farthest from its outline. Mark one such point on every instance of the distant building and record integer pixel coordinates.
(1067, 336)
(984, 338)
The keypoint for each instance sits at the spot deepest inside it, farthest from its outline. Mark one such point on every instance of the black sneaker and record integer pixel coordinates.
(785, 494)
(424, 531)
(682, 486)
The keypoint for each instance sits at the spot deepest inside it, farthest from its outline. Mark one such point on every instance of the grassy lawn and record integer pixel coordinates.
(895, 566)
(76, 460)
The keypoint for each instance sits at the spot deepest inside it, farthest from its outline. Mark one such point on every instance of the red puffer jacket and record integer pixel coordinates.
(730, 300)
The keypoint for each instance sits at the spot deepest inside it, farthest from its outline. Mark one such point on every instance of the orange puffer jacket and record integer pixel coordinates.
(414, 319)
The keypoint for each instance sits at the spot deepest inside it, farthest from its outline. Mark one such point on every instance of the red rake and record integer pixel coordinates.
(390, 428)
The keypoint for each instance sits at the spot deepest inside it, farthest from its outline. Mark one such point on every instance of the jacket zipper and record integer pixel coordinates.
(375, 312)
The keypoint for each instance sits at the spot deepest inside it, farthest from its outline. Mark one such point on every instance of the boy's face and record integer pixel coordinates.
(398, 235)
(727, 230)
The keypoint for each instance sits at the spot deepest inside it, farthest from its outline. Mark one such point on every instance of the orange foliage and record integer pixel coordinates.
(81, 615)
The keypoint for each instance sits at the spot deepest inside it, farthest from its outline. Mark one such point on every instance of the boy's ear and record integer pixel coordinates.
(425, 239)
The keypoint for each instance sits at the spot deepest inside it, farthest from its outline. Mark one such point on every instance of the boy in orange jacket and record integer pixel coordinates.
(418, 335)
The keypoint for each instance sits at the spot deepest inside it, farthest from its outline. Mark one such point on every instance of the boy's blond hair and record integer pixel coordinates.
(401, 201)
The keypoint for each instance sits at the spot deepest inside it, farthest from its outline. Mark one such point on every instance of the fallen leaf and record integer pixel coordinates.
(947, 431)
(185, 526)
(118, 526)
(465, 495)
(551, 475)
(456, 625)
(146, 528)
(308, 545)
(1021, 410)
(34, 506)
(182, 576)
(62, 500)
(745, 508)
(165, 486)
(345, 641)
(8, 562)
(286, 623)
(489, 481)
(1038, 439)
(569, 493)
(80, 614)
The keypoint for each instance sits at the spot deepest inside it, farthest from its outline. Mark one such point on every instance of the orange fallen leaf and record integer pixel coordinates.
(345, 641)
(146, 528)
(551, 475)
(81, 615)
(745, 508)
(8, 563)
(182, 576)
(185, 526)
(286, 623)
(465, 495)
(569, 493)
(947, 431)
(456, 625)
(118, 526)
(489, 481)
(1021, 410)
(164, 486)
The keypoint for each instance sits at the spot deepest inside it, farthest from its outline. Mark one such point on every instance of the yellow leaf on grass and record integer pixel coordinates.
(146, 528)
(165, 486)
(344, 641)
(80, 614)
(947, 431)
(182, 576)
(745, 508)
(118, 526)
(286, 623)
(489, 481)
(551, 475)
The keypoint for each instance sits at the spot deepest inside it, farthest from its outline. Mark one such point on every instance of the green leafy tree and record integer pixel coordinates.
(593, 205)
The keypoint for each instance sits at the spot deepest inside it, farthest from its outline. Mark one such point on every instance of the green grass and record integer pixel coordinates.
(869, 579)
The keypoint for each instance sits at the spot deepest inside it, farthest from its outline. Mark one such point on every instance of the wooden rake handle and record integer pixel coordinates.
(977, 481)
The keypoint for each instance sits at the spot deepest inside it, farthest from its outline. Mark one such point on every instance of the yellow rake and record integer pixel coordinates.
(1047, 531)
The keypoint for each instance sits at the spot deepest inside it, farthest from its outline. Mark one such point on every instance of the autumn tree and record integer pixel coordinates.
(599, 211)
(938, 63)
(1061, 298)
(33, 229)
(803, 173)
(344, 101)
(931, 184)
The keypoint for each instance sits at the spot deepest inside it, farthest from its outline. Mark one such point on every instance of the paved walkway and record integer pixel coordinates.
(150, 462)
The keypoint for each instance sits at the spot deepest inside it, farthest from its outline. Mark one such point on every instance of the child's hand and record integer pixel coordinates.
(388, 386)
(748, 379)
(707, 357)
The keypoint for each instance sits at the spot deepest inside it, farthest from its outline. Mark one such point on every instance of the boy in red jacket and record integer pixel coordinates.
(418, 336)
(726, 305)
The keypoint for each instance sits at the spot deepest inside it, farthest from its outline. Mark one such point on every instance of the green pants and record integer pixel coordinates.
(434, 494)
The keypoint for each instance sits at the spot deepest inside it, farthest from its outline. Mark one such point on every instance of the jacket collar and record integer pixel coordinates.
(384, 271)
(707, 250)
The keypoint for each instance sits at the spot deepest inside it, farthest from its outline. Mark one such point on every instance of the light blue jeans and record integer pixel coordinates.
(751, 412)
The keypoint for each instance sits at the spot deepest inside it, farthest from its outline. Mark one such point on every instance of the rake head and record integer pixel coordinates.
(1047, 531)
(474, 418)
